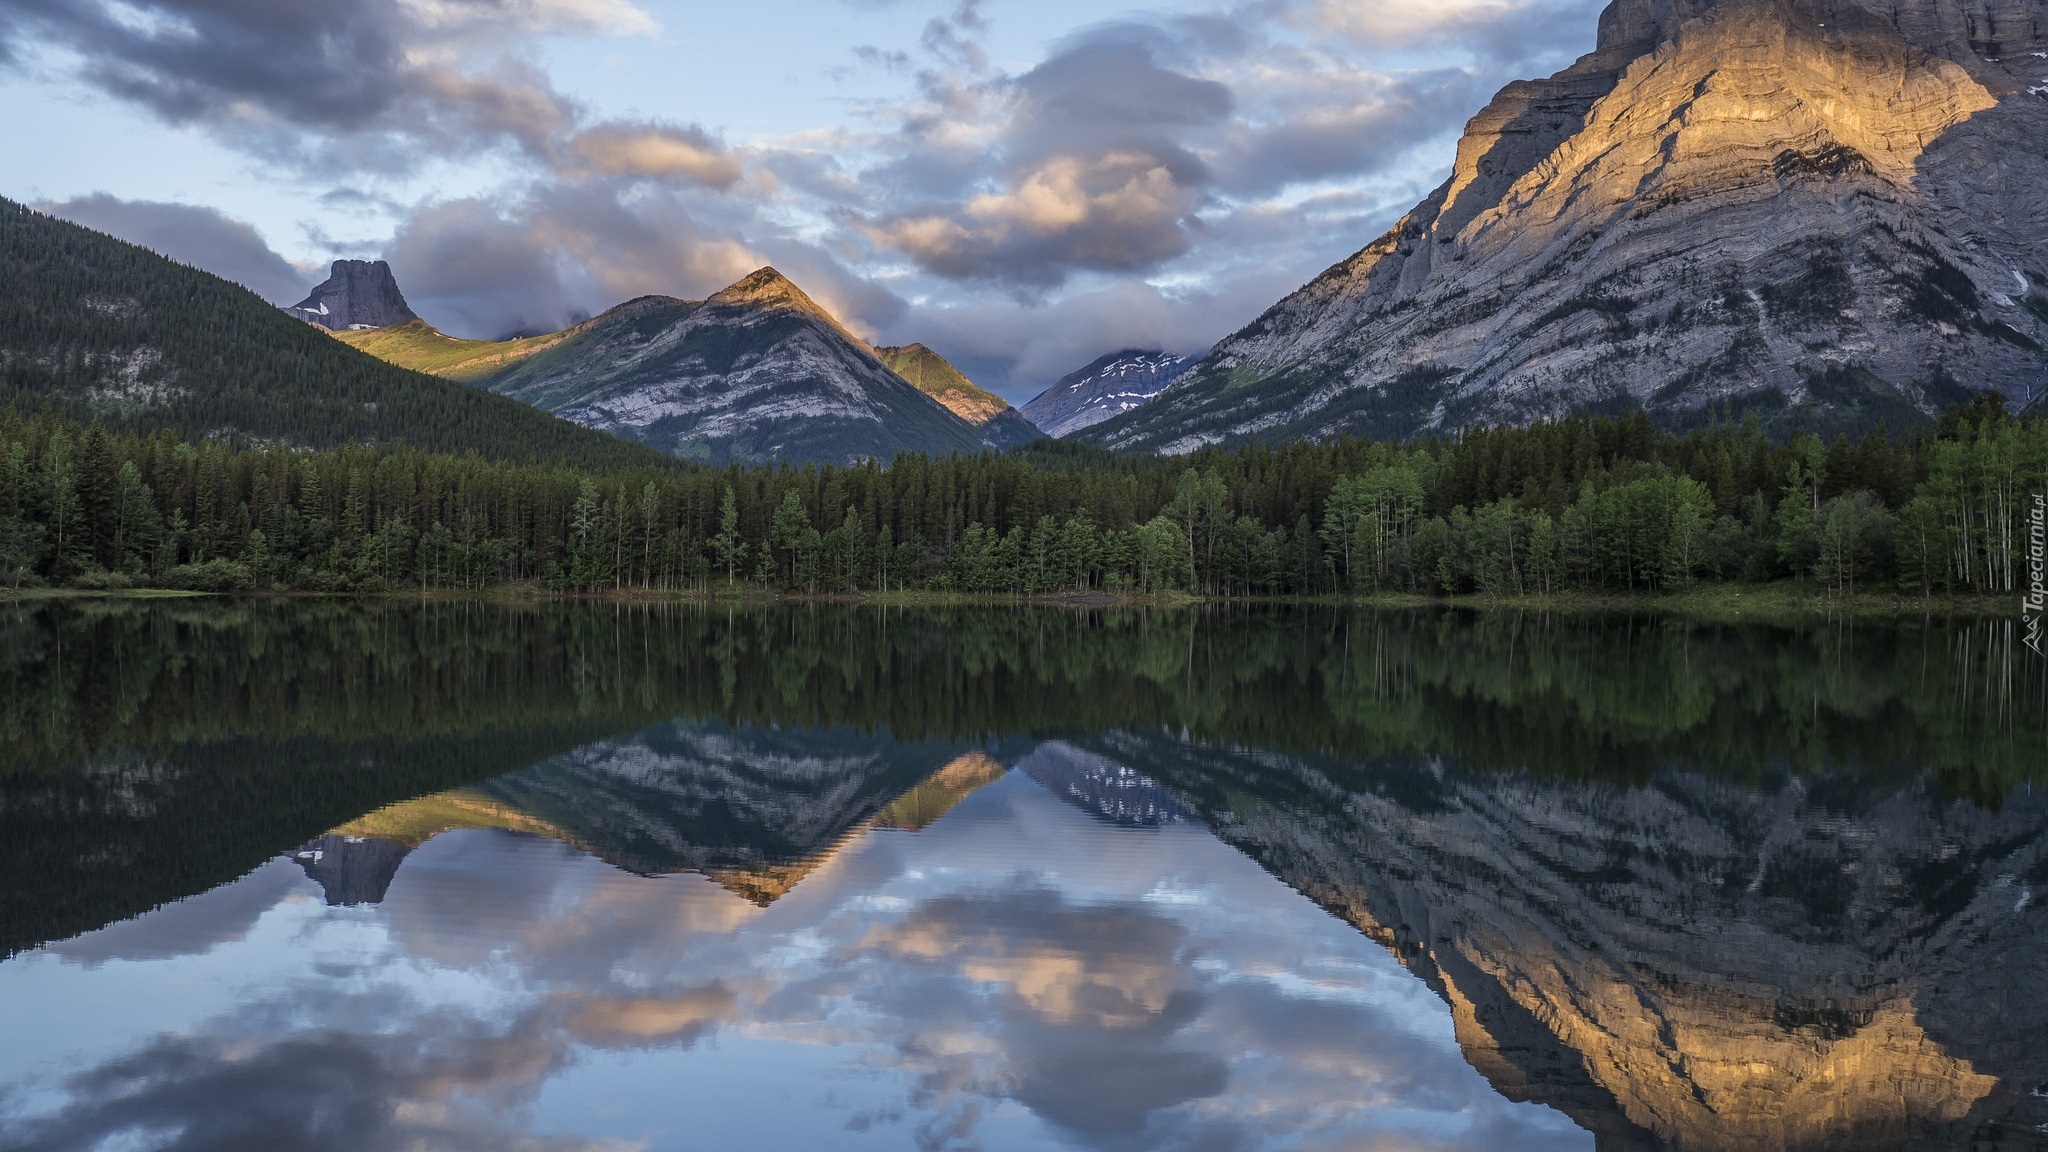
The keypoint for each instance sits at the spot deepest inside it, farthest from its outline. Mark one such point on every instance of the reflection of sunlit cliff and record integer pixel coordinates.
(922, 806)
(1691, 964)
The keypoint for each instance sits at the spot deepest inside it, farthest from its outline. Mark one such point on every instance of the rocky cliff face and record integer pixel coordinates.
(931, 374)
(352, 870)
(758, 372)
(1101, 787)
(1834, 206)
(1696, 963)
(357, 294)
(1109, 386)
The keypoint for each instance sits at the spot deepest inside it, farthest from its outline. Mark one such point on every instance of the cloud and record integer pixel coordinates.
(371, 85)
(618, 149)
(312, 1091)
(1504, 32)
(190, 234)
(651, 1021)
(1083, 170)
(1339, 125)
(565, 250)
(1020, 349)
(1123, 210)
(192, 926)
(1140, 184)
(616, 17)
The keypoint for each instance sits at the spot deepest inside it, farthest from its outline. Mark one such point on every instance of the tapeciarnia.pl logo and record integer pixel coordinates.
(2036, 601)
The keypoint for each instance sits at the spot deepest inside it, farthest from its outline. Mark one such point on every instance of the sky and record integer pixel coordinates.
(1022, 186)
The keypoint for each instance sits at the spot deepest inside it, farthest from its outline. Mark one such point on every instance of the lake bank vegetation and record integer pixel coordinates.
(1577, 510)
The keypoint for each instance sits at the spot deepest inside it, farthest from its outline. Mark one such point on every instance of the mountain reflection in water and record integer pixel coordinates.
(1783, 896)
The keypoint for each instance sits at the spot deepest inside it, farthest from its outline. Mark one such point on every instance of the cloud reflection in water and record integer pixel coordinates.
(1018, 974)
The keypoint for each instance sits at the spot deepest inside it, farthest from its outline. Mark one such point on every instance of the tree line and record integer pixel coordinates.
(187, 741)
(1580, 505)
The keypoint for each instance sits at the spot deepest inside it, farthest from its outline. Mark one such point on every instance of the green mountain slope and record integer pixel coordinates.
(930, 373)
(92, 327)
(422, 347)
(757, 373)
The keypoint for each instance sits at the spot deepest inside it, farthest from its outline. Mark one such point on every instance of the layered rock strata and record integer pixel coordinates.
(1694, 964)
(1792, 206)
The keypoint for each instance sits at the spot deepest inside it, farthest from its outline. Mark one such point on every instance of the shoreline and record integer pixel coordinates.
(1763, 602)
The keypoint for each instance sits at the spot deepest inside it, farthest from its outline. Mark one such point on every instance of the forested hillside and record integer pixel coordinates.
(94, 328)
(1605, 505)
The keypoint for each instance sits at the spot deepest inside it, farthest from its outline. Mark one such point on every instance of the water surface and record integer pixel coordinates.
(450, 877)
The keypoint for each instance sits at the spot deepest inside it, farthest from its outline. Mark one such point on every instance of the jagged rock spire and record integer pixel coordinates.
(356, 294)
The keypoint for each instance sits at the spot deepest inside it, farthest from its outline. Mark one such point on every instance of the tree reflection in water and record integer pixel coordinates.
(961, 876)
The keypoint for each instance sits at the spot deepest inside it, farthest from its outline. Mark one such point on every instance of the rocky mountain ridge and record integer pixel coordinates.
(1107, 386)
(1697, 963)
(1807, 208)
(95, 329)
(357, 295)
(931, 374)
(758, 372)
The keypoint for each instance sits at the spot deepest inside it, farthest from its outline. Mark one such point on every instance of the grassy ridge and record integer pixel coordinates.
(421, 347)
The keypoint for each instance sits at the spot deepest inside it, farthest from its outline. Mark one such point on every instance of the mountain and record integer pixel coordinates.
(941, 792)
(756, 809)
(351, 869)
(929, 373)
(1101, 787)
(94, 328)
(356, 294)
(1833, 208)
(1109, 386)
(1821, 963)
(418, 345)
(758, 372)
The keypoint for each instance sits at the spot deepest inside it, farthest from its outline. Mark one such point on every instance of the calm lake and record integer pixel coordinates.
(366, 877)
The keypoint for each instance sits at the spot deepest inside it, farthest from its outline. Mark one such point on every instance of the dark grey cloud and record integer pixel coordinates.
(314, 64)
(1110, 85)
(365, 85)
(1325, 128)
(313, 1091)
(564, 250)
(202, 237)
